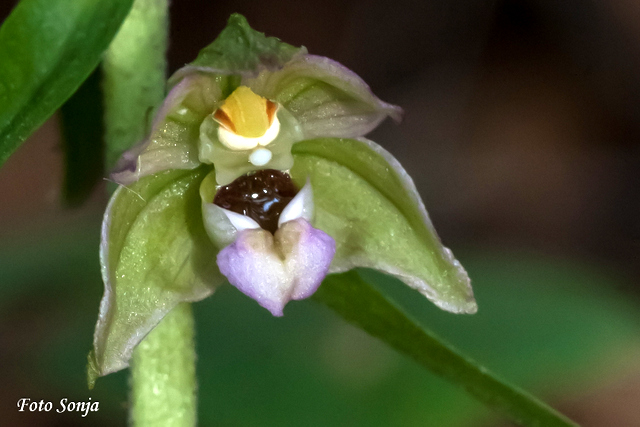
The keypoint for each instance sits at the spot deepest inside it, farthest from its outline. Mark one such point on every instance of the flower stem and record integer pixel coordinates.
(134, 69)
(163, 373)
(163, 366)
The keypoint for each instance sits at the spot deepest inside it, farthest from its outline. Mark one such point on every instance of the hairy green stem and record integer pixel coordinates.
(134, 76)
(163, 373)
(163, 382)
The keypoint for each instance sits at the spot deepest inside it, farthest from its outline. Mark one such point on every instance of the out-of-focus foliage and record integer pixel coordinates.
(48, 48)
(82, 117)
(540, 321)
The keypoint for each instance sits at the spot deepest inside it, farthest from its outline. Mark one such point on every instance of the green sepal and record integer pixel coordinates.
(366, 201)
(240, 50)
(154, 254)
(173, 141)
(318, 97)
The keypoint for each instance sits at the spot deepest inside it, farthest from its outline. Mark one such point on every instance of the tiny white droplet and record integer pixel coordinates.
(260, 157)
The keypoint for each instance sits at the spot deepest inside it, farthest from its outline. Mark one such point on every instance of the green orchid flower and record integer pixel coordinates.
(256, 172)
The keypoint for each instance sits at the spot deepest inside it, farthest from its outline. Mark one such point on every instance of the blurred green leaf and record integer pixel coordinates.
(83, 143)
(361, 304)
(48, 48)
(134, 69)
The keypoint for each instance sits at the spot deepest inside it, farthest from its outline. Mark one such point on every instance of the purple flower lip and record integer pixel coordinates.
(274, 269)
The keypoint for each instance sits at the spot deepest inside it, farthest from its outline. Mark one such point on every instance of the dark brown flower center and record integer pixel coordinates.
(261, 195)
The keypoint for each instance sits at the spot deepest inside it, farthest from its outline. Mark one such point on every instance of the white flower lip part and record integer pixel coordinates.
(233, 141)
(301, 206)
(225, 227)
(240, 222)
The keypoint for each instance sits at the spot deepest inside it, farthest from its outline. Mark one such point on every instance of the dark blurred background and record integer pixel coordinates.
(521, 130)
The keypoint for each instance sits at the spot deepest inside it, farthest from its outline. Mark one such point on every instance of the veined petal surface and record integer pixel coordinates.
(367, 202)
(327, 98)
(154, 254)
(173, 141)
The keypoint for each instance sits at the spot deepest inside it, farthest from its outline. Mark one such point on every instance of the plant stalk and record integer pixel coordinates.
(135, 71)
(163, 382)
(163, 373)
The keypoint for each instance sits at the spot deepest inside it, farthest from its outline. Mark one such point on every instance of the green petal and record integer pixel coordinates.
(366, 201)
(155, 253)
(173, 142)
(327, 98)
(240, 50)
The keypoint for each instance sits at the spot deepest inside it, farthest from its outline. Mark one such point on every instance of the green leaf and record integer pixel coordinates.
(361, 304)
(369, 205)
(154, 254)
(239, 49)
(83, 144)
(48, 48)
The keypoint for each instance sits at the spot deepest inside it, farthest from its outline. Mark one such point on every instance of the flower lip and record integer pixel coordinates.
(241, 222)
(262, 196)
(275, 268)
